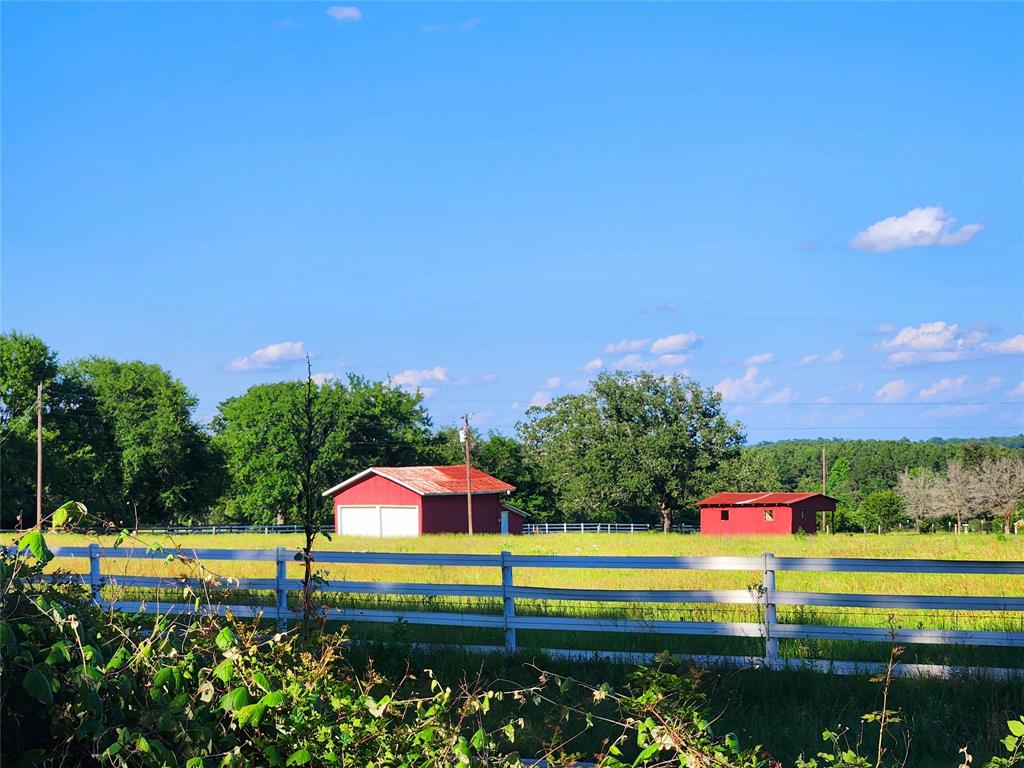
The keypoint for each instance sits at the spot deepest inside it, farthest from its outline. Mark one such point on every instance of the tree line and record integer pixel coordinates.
(634, 447)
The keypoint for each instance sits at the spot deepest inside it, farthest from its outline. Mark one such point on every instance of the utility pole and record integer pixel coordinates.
(466, 440)
(39, 456)
(824, 484)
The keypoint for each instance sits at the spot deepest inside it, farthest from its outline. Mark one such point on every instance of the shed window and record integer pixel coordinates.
(769, 514)
(725, 514)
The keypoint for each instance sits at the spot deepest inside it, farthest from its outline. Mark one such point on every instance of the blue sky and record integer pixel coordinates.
(816, 208)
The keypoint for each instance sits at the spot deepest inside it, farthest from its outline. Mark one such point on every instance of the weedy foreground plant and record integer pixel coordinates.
(80, 686)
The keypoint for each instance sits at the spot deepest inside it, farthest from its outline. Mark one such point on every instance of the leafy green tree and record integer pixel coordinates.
(154, 453)
(368, 424)
(633, 447)
(880, 511)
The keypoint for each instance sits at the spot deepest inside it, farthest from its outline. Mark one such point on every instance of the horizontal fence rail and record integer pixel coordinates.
(539, 528)
(764, 595)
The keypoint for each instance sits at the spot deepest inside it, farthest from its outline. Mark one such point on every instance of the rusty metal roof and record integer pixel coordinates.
(432, 481)
(762, 497)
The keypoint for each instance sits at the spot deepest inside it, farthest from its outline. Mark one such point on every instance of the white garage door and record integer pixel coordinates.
(378, 521)
(399, 521)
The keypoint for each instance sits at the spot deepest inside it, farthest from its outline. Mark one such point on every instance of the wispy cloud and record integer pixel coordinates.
(594, 365)
(487, 378)
(675, 343)
(893, 391)
(960, 386)
(762, 359)
(270, 356)
(832, 357)
(323, 378)
(746, 387)
(942, 342)
(344, 14)
(553, 382)
(412, 380)
(626, 345)
(467, 25)
(780, 397)
(1018, 391)
(930, 225)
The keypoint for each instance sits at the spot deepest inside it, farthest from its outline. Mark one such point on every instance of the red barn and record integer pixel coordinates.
(411, 501)
(725, 514)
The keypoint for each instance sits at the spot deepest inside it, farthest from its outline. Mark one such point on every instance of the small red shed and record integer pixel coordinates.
(725, 514)
(412, 501)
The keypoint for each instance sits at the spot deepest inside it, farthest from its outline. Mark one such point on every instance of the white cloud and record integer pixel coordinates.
(323, 378)
(487, 378)
(892, 391)
(344, 13)
(668, 361)
(413, 379)
(930, 225)
(825, 400)
(782, 396)
(832, 357)
(271, 356)
(594, 365)
(540, 399)
(626, 345)
(632, 362)
(553, 382)
(958, 387)
(675, 343)
(957, 410)
(762, 359)
(1011, 346)
(942, 342)
(748, 386)
(884, 328)
(1018, 391)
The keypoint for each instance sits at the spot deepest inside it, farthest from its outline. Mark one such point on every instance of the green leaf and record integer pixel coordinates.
(195, 762)
(225, 638)
(164, 678)
(234, 700)
(478, 739)
(251, 714)
(223, 670)
(1016, 727)
(299, 757)
(118, 659)
(274, 699)
(37, 685)
(8, 642)
(141, 744)
(377, 707)
(34, 542)
(60, 515)
(261, 680)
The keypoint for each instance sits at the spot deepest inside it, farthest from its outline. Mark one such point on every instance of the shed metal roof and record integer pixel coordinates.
(761, 497)
(432, 481)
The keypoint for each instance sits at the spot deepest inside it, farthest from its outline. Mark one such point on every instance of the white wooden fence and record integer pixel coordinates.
(766, 596)
(536, 528)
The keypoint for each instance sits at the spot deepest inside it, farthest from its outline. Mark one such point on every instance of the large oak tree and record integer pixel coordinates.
(632, 447)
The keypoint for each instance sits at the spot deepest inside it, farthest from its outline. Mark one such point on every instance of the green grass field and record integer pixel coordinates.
(968, 547)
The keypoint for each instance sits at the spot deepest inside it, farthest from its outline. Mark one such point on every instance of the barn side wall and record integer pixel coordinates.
(374, 490)
(745, 521)
(813, 508)
(447, 514)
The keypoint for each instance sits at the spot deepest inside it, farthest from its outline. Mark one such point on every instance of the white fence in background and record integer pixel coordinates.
(765, 595)
(536, 528)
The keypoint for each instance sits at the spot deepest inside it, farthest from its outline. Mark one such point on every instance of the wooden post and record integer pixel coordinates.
(95, 575)
(280, 589)
(508, 601)
(39, 456)
(469, 475)
(771, 643)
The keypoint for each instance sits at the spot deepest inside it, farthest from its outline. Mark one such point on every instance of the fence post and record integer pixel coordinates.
(280, 589)
(94, 571)
(508, 601)
(771, 643)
